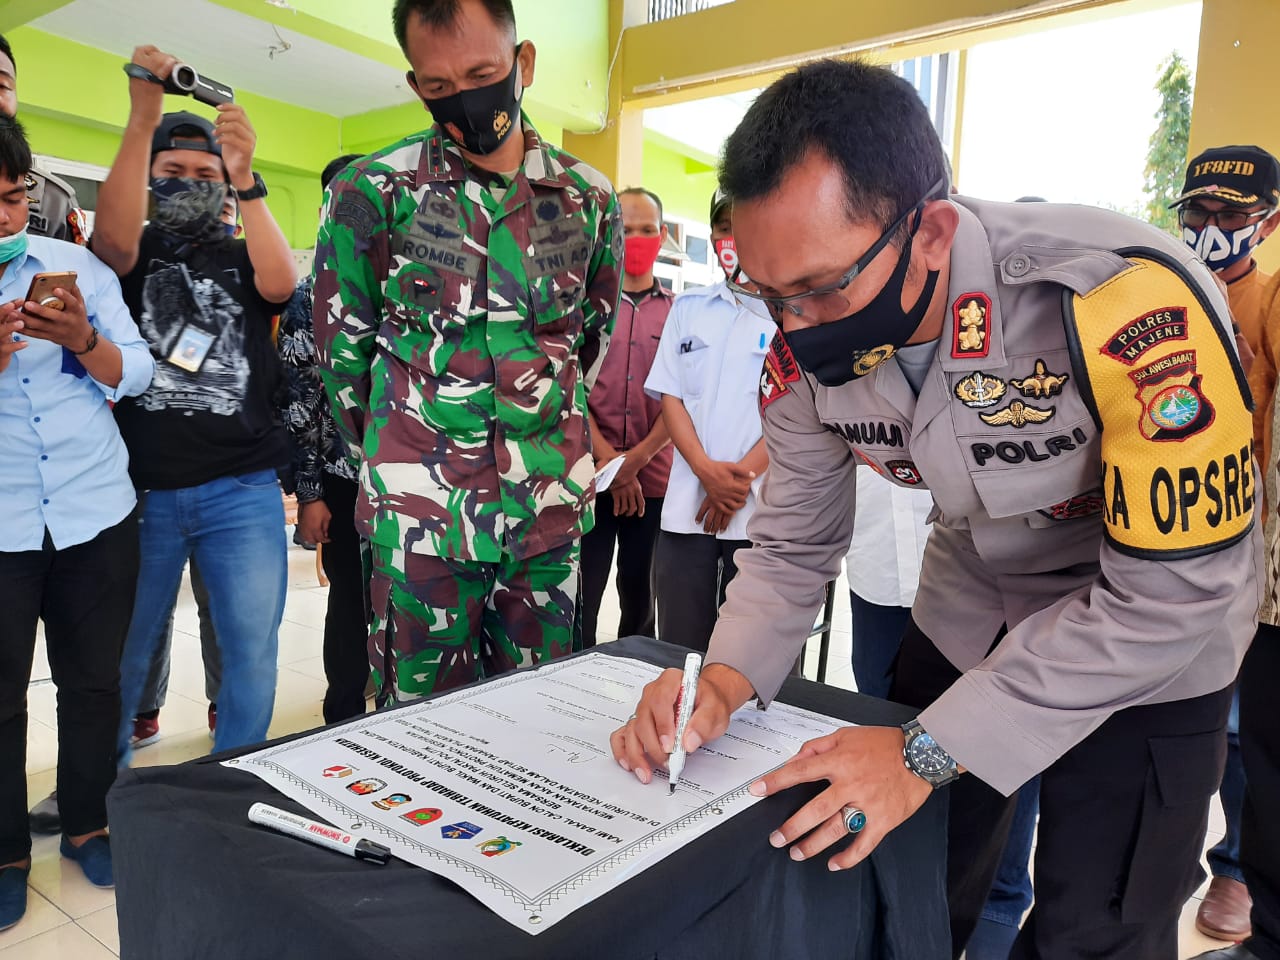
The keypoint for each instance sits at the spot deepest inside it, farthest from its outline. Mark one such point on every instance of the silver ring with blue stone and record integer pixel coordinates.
(854, 819)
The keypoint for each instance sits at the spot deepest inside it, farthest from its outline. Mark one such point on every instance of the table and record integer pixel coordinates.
(195, 879)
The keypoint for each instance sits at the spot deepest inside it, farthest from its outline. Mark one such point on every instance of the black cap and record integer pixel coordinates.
(184, 131)
(719, 200)
(1240, 175)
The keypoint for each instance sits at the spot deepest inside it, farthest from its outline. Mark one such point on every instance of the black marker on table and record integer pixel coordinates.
(321, 834)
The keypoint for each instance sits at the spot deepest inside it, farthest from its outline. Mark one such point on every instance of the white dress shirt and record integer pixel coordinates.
(890, 527)
(710, 357)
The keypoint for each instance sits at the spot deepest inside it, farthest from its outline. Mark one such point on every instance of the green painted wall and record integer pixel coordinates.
(74, 99)
(684, 185)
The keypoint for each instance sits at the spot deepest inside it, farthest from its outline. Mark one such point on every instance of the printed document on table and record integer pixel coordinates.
(509, 788)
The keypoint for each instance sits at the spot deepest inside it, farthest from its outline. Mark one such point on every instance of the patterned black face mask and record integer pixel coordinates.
(190, 209)
(482, 119)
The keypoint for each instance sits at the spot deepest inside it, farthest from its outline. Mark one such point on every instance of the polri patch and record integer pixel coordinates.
(971, 331)
(904, 471)
(1073, 508)
(979, 390)
(780, 370)
(1174, 406)
(1154, 327)
(1017, 415)
(1041, 384)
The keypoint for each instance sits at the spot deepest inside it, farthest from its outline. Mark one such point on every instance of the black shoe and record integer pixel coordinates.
(1236, 952)
(45, 817)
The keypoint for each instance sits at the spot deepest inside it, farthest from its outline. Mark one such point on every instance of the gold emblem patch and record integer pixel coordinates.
(1041, 384)
(979, 390)
(868, 361)
(1017, 414)
(970, 313)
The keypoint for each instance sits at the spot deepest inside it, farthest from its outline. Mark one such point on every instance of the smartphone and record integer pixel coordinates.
(43, 285)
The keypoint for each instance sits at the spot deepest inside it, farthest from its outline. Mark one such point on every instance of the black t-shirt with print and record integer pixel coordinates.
(212, 409)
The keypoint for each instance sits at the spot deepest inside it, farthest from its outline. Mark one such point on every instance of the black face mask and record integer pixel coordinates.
(482, 119)
(853, 346)
(190, 210)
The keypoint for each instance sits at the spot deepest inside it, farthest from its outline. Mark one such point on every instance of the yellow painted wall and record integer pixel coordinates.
(1235, 99)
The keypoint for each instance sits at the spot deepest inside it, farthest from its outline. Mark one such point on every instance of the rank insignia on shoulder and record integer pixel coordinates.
(979, 390)
(1174, 406)
(1041, 384)
(970, 337)
(1017, 414)
(904, 471)
(780, 369)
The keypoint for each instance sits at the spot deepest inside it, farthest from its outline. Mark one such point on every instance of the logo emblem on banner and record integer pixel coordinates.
(338, 772)
(392, 800)
(460, 831)
(364, 787)
(422, 815)
(497, 846)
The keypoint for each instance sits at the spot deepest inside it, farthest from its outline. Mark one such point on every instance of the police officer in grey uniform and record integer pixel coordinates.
(1064, 382)
(54, 211)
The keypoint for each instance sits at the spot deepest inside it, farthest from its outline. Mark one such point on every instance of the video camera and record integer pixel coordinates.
(184, 80)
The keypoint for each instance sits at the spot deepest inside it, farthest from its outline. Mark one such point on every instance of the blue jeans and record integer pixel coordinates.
(1224, 859)
(234, 528)
(877, 634)
(1011, 891)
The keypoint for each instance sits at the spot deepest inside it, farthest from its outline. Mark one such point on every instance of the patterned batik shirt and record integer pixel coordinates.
(460, 319)
(317, 447)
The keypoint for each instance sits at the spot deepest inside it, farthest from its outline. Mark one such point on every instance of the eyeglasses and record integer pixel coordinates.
(825, 301)
(1226, 219)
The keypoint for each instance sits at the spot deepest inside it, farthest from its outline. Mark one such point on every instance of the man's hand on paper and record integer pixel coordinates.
(647, 739)
(865, 769)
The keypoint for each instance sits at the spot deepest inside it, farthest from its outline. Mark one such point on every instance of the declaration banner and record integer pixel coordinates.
(509, 788)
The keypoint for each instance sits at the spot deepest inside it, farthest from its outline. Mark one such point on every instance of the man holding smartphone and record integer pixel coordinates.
(69, 542)
(205, 440)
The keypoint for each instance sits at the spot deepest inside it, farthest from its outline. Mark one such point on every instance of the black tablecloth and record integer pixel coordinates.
(195, 879)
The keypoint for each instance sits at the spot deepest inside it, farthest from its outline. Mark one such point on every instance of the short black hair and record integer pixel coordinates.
(642, 192)
(15, 152)
(869, 122)
(443, 13)
(334, 167)
(8, 52)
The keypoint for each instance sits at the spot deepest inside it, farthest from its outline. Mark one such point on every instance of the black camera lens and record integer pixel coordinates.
(184, 77)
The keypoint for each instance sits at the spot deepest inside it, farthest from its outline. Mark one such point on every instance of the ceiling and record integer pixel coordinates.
(236, 49)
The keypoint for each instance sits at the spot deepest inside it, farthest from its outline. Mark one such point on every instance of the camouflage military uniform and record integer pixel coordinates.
(460, 319)
(54, 211)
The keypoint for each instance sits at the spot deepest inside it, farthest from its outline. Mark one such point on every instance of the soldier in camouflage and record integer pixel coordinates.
(466, 280)
(53, 210)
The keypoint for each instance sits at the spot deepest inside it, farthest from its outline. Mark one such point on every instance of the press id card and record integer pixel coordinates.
(192, 347)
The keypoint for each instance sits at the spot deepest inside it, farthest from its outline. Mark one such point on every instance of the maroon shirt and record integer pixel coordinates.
(624, 414)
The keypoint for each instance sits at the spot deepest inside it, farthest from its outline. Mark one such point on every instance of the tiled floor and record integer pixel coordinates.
(68, 919)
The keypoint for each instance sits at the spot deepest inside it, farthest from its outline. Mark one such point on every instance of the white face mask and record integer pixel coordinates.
(1221, 248)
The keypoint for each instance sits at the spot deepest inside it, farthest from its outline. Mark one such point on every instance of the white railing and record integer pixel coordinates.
(666, 9)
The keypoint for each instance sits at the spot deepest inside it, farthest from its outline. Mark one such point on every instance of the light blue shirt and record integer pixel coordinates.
(63, 465)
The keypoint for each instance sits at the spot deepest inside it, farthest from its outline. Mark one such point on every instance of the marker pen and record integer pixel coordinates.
(321, 834)
(684, 709)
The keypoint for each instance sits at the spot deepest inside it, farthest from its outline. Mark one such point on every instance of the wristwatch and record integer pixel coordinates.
(925, 758)
(256, 192)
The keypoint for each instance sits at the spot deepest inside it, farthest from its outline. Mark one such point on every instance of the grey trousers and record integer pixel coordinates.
(691, 572)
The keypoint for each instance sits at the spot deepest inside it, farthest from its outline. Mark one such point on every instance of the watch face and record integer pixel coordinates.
(927, 756)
